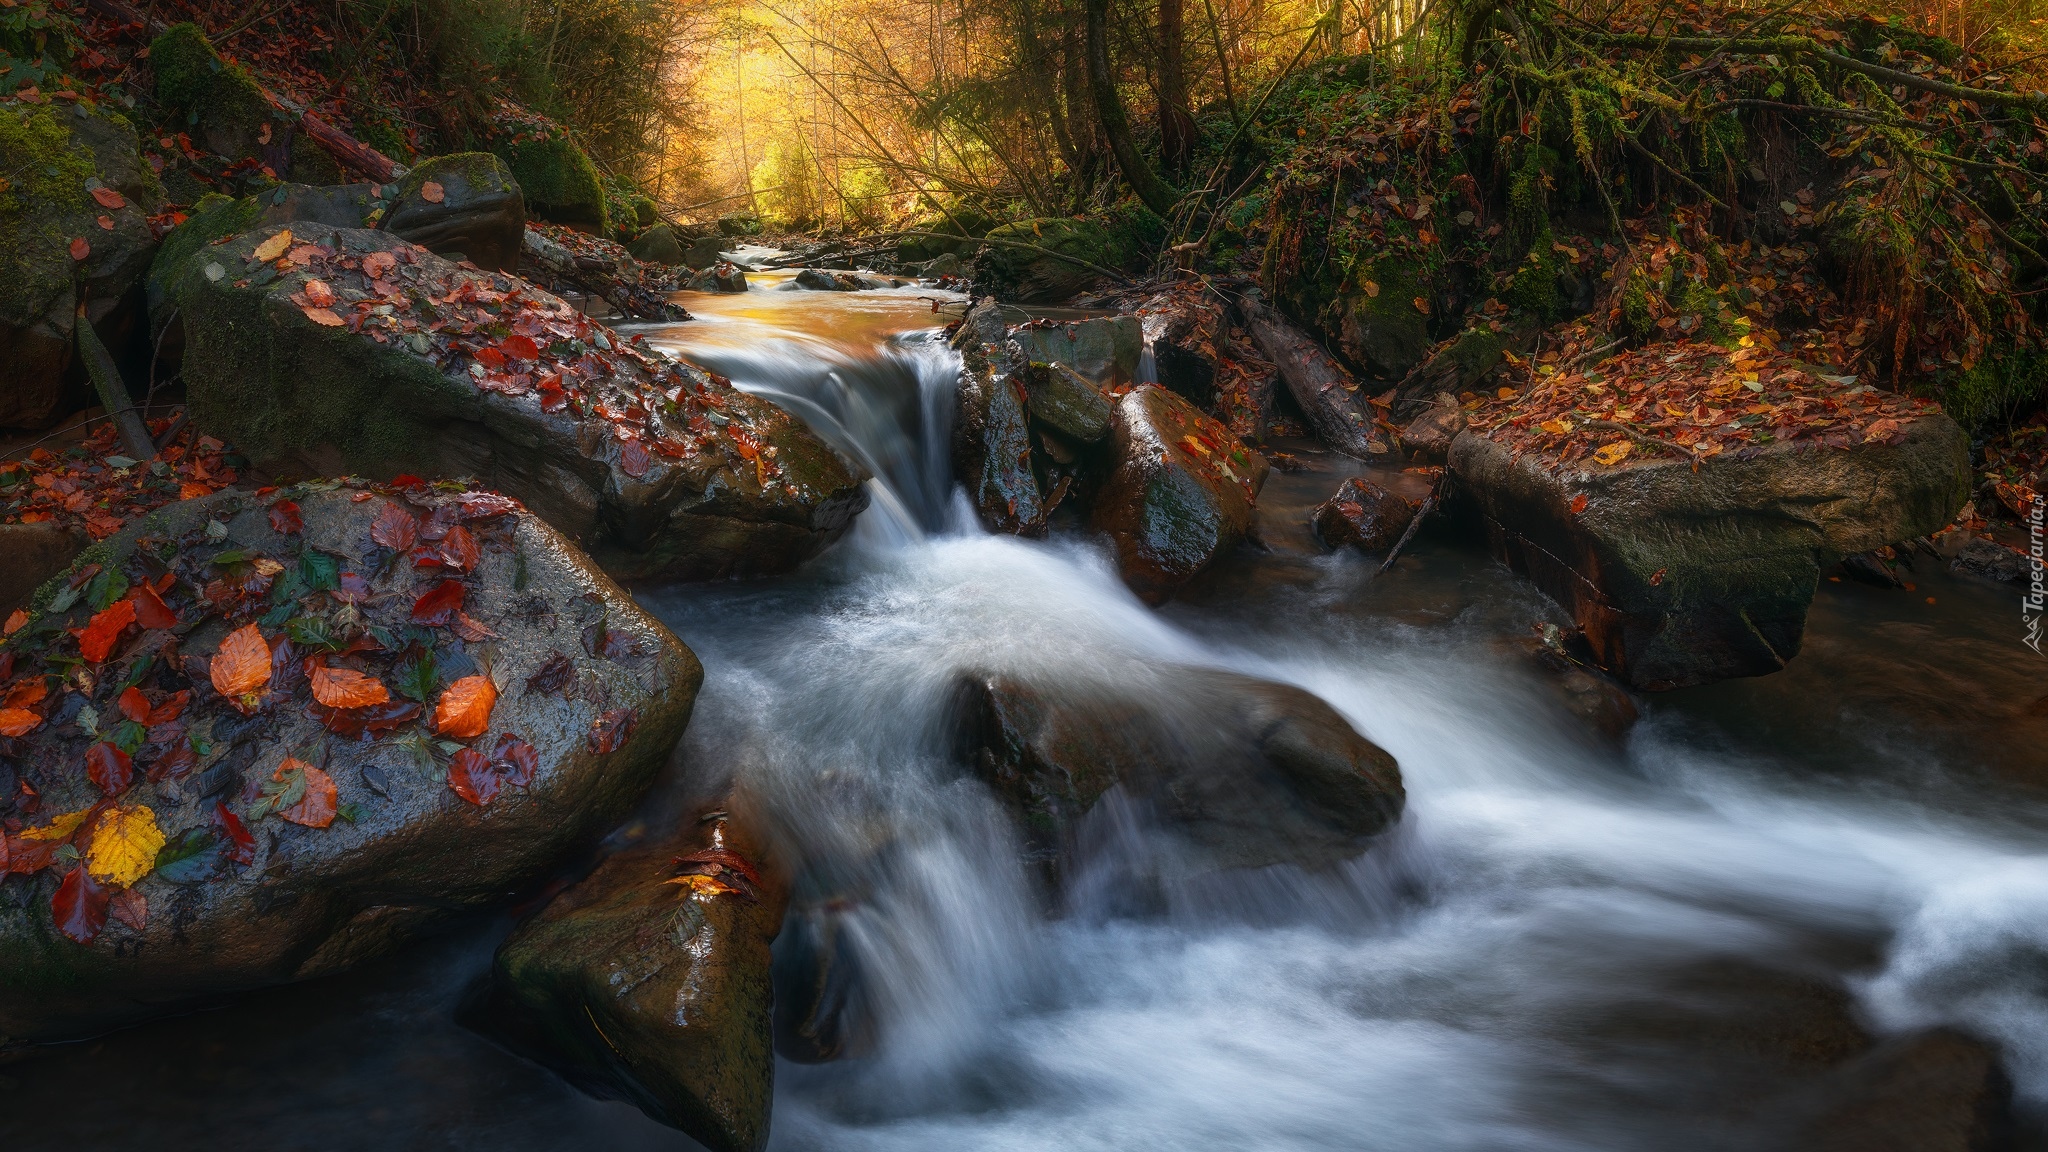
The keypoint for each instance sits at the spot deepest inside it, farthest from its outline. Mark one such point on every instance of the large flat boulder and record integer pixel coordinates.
(258, 740)
(400, 362)
(649, 981)
(466, 204)
(1179, 493)
(1683, 571)
(67, 169)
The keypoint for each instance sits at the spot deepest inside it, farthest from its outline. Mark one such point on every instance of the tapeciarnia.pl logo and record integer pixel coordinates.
(2037, 596)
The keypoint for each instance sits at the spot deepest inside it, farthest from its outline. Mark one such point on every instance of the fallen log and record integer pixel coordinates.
(1326, 393)
(348, 151)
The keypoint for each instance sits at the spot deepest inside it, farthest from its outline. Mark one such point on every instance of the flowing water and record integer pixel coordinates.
(1567, 944)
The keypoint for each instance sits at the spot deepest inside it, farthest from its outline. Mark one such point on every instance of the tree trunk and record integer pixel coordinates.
(1109, 107)
(1326, 393)
(1176, 126)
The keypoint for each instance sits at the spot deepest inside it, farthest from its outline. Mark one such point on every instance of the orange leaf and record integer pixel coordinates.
(98, 637)
(465, 708)
(345, 688)
(317, 808)
(26, 694)
(243, 666)
(376, 264)
(433, 193)
(322, 316)
(319, 293)
(80, 249)
(18, 721)
(15, 621)
(109, 199)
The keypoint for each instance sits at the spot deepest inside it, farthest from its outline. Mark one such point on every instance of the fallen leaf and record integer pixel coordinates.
(18, 721)
(395, 527)
(376, 264)
(243, 666)
(130, 908)
(284, 518)
(109, 199)
(99, 635)
(109, 767)
(58, 829)
(432, 192)
(322, 317)
(470, 777)
(134, 705)
(1613, 453)
(80, 906)
(241, 842)
(124, 845)
(274, 247)
(610, 730)
(80, 249)
(16, 620)
(150, 609)
(300, 793)
(1578, 503)
(466, 626)
(346, 688)
(439, 603)
(555, 672)
(25, 694)
(362, 723)
(633, 458)
(465, 708)
(319, 293)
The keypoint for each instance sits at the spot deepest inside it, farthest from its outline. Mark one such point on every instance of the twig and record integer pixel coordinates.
(1110, 272)
(1407, 534)
(106, 380)
(1643, 438)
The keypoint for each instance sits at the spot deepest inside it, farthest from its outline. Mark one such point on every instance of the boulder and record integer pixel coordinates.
(944, 266)
(305, 728)
(1105, 349)
(1187, 333)
(342, 205)
(1461, 364)
(1251, 772)
(1428, 437)
(462, 206)
(649, 981)
(723, 276)
(705, 251)
(992, 447)
(1061, 399)
(658, 245)
(1362, 515)
(1179, 494)
(660, 469)
(563, 259)
(1046, 261)
(1939, 1090)
(35, 552)
(1382, 328)
(67, 168)
(557, 180)
(825, 280)
(227, 110)
(739, 224)
(1680, 576)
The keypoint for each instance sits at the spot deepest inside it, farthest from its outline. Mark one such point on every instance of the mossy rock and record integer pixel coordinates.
(739, 224)
(1380, 329)
(559, 181)
(224, 106)
(479, 212)
(1056, 266)
(658, 245)
(54, 159)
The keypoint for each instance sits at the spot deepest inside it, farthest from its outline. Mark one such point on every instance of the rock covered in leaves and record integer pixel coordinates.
(1186, 331)
(1179, 493)
(564, 259)
(255, 739)
(74, 230)
(724, 276)
(338, 349)
(467, 203)
(650, 981)
(1251, 772)
(1684, 571)
(1363, 515)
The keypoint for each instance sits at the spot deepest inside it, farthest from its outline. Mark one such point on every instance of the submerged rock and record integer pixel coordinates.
(1680, 576)
(1179, 493)
(66, 169)
(1939, 1090)
(1251, 772)
(826, 280)
(650, 981)
(660, 469)
(724, 276)
(1363, 515)
(299, 730)
(466, 204)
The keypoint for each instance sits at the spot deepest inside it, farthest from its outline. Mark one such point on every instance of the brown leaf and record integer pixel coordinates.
(109, 199)
(432, 192)
(322, 316)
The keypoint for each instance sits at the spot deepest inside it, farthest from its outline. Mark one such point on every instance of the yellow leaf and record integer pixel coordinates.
(1612, 454)
(59, 829)
(1556, 427)
(1505, 394)
(124, 845)
(274, 247)
(1371, 289)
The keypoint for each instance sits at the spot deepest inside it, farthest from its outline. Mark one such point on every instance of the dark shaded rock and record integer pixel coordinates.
(1872, 568)
(657, 245)
(1363, 515)
(557, 180)
(1381, 329)
(341, 205)
(1047, 260)
(739, 224)
(637, 987)
(34, 552)
(1105, 349)
(1681, 577)
(1179, 494)
(1428, 437)
(54, 158)
(992, 448)
(824, 280)
(1252, 772)
(565, 260)
(480, 213)
(227, 110)
(1990, 560)
(723, 276)
(1933, 1091)
(315, 888)
(1187, 332)
(821, 1010)
(1461, 364)
(1321, 387)
(1061, 399)
(705, 251)
(719, 484)
(1593, 698)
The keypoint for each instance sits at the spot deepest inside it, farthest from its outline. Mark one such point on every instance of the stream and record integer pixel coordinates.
(1567, 944)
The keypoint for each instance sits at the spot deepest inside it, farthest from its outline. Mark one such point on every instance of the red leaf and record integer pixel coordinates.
(470, 777)
(284, 517)
(485, 505)
(109, 199)
(520, 347)
(633, 459)
(1578, 503)
(241, 843)
(150, 609)
(134, 705)
(491, 358)
(555, 672)
(354, 589)
(466, 627)
(80, 249)
(97, 638)
(440, 602)
(130, 908)
(612, 729)
(363, 723)
(170, 709)
(517, 759)
(80, 905)
(395, 527)
(458, 550)
(109, 767)
(552, 398)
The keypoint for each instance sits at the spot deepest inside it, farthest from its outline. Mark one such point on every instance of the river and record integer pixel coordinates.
(1567, 944)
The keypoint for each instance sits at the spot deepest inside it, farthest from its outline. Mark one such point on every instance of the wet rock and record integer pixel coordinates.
(1061, 399)
(1321, 387)
(1934, 1091)
(943, 265)
(1251, 772)
(342, 205)
(1363, 515)
(1179, 494)
(1682, 577)
(35, 552)
(658, 245)
(1428, 437)
(557, 181)
(1187, 332)
(66, 169)
(821, 1011)
(474, 210)
(234, 832)
(562, 259)
(992, 449)
(824, 280)
(1597, 701)
(1384, 332)
(1105, 349)
(710, 482)
(1990, 560)
(723, 276)
(1463, 363)
(705, 251)
(649, 981)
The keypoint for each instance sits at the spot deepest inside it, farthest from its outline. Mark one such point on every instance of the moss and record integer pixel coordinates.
(1637, 318)
(2006, 382)
(481, 170)
(560, 182)
(46, 171)
(1533, 290)
(213, 217)
(192, 78)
